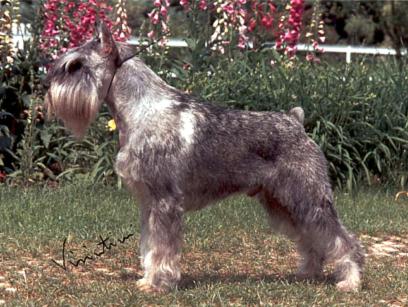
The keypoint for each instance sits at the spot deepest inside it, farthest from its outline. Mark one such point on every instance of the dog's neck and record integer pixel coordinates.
(137, 94)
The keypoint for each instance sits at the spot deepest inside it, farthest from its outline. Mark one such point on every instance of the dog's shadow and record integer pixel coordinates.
(192, 281)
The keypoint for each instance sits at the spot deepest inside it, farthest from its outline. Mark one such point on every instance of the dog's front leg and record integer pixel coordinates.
(160, 245)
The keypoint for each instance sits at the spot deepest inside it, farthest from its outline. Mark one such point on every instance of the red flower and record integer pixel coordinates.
(2, 176)
(202, 5)
(267, 21)
(70, 23)
(184, 3)
(228, 8)
(251, 24)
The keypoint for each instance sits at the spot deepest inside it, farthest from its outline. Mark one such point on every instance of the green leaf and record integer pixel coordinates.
(45, 138)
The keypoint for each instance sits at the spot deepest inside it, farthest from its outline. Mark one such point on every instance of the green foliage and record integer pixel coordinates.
(360, 30)
(368, 22)
(50, 153)
(356, 113)
(32, 150)
(91, 158)
(20, 83)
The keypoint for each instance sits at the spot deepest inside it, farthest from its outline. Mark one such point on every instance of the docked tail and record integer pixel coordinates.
(297, 113)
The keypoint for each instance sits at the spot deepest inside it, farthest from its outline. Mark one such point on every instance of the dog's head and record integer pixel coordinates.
(79, 81)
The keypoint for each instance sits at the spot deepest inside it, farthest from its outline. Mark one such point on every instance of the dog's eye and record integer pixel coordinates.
(74, 66)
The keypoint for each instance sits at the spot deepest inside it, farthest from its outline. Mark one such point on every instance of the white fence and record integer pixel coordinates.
(349, 50)
(21, 33)
(346, 49)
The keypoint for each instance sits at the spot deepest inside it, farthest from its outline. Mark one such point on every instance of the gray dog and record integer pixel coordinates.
(179, 154)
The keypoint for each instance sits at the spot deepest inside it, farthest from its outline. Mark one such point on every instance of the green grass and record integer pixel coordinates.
(230, 255)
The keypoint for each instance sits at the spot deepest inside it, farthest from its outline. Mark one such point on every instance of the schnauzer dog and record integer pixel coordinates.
(179, 154)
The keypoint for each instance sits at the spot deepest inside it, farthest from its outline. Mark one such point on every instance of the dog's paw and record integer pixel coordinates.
(347, 286)
(144, 286)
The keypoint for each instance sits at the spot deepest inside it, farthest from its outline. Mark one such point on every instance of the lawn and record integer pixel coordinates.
(230, 255)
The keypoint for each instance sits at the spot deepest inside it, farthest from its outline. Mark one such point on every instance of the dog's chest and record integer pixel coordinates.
(161, 135)
(162, 123)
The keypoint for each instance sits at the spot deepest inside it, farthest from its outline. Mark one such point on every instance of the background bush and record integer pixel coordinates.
(356, 112)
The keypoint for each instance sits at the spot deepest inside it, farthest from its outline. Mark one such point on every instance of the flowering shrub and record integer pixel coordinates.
(9, 15)
(239, 21)
(67, 24)
(289, 32)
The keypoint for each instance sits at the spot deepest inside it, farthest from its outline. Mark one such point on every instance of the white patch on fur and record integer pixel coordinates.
(187, 127)
(162, 105)
(149, 110)
(148, 261)
(337, 247)
(351, 280)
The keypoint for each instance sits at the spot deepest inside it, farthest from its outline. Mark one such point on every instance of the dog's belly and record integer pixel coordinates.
(206, 197)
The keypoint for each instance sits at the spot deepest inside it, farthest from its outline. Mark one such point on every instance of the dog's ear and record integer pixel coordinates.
(108, 45)
(126, 52)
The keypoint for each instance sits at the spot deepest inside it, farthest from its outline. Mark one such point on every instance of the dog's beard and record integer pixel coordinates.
(74, 100)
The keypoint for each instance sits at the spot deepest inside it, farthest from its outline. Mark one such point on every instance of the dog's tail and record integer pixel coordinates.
(298, 114)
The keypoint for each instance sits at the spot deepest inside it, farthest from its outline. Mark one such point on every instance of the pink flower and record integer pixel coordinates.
(251, 24)
(163, 11)
(310, 57)
(165, 27)
(289, 37)
(72, 21)
(151, 34)
(154, 17)
(241, 43)
(228, 8)
(267, 21)
(184, 3)
(202, 5)
(295, 3)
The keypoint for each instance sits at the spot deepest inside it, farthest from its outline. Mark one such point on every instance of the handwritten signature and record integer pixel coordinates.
(103, 245)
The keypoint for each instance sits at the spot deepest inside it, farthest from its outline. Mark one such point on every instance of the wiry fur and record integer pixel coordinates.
(179, 154)
(74, 100)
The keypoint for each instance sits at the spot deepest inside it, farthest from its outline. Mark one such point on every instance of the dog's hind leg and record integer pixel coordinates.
(311, 264)
(347, 255)
(321, 236)
(301, 188)
(327, 240)
(332, 243)
(160, 246)
(278, 216)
